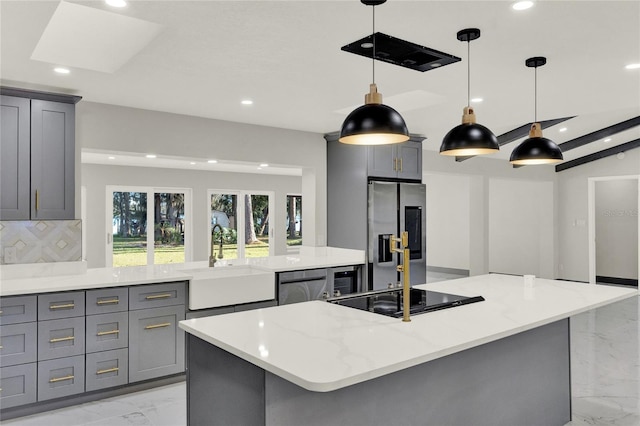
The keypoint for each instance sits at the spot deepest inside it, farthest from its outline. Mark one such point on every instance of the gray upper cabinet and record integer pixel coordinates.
(37, 155)
(14, 158)
(52, 160)
(397, 161)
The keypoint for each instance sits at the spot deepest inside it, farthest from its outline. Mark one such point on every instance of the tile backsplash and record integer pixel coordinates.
(38, 241)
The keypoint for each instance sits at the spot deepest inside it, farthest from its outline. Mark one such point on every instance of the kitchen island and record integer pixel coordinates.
(503, 361)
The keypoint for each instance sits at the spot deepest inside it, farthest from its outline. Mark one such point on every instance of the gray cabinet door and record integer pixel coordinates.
(15, 148)
(106, 369)
(382, 161)
(60, 338)
(107, 300)
(18, 384)
(52, 160)
(17, 309)
(156, 344)
(409, 156)
(18, 343)
(107, 331)
(60, 377)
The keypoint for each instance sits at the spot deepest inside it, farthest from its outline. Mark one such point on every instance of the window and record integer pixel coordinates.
(243, 219)
(147, 226)
(294, 220)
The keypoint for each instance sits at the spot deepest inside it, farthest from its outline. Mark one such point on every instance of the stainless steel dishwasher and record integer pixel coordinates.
(302, 286)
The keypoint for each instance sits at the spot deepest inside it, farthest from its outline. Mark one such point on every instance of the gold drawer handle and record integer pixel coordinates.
(164, 324)
(65, 306)
(106, 302)
(61, 379)
(104, 333)
(158, 296)
(0, 312)
(37, 200)
(108, 370)
(1, 347)
(61, 339)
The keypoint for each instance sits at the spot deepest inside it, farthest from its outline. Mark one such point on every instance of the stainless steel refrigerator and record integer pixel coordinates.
(393, 208)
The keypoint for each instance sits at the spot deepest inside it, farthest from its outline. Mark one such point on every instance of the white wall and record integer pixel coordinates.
(468, 185)
(95, 178)
(448, 210)
(521, 233)
(572, 202)
(616, 226)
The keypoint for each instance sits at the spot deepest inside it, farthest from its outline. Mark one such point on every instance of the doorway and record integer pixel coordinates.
(613, 230)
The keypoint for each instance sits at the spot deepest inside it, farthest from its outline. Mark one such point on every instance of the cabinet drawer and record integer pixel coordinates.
(60, 377)
(157, 344)
(156, 295)
(107, 331)
(18, 344)
(107, 300)
(60, 338)
(60, 305)
(14, 310)
(17, 385)
(107, 369)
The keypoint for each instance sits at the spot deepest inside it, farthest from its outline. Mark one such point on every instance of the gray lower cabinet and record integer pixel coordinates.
(156, 344)
(107, 331)
(18, 309)
(18, 344)
(18, 385)
(61, 338)
(60, 377)
(106, 300)
(107, 369)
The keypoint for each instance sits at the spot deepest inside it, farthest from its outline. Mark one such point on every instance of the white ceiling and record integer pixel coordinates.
(286, 57)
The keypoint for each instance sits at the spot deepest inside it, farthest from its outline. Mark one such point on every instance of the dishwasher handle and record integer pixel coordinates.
(302, 280)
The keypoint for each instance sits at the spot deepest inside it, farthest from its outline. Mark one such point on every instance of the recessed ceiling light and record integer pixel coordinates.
(562, 129)
(212, 161)
(116, 3)
(264, 165)
(435, 65)
(192, 163)
(61, 70)
(607, 140)
(150, 156)
(633, 66)
(112, 158)
(476, 100)
(259, 168)
(247, 102)
(366, 45)
(522, 5)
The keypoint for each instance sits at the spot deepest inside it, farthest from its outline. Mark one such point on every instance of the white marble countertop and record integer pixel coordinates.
(45, 278)
(323, 347)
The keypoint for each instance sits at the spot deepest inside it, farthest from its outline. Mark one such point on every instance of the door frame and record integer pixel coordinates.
(591, 199)
(150, 191)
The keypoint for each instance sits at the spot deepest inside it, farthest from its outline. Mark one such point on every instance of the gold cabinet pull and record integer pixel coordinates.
(164, 324)
(65, 306)
(1, 347)
(104, 333)
(395, 164)
(158, 296)
(400, 164)
(0, 312)
(109, 301)
(61, 379)
(61, 339)
(108, 370)
(37, 200)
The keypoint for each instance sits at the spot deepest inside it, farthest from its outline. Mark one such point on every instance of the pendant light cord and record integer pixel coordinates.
(373, 57)
(469, 73)
(535, 95)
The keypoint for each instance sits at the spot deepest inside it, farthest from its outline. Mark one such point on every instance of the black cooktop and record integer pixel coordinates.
(389, 302)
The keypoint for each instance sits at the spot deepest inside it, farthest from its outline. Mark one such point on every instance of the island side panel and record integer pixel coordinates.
(222, 389)
(523, 379)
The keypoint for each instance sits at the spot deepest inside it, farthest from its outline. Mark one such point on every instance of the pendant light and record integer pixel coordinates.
(373, 123)
(469, 138)
(536, 149)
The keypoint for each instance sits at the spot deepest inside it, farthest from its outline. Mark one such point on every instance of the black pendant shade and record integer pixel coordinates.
(374, 124)
(536, 149)
(469, 138)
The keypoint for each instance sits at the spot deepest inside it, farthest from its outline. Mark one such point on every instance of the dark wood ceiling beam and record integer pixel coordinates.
(600, 134)
(517, 133)
(598, 155)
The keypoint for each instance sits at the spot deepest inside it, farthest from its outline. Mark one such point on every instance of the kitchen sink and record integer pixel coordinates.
(229, 285)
